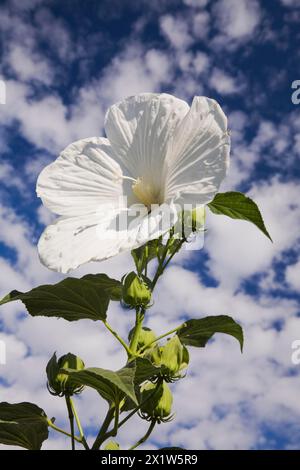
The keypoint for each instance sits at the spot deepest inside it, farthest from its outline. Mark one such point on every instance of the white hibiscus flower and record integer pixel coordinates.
(158, 151)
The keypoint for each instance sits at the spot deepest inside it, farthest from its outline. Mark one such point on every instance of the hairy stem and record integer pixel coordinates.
(108, 419)
(160, 337)
(139, 318)
(115, 334)
(161, 267)
(114, 430)
(65, 433)
(71, 419)
(145, 437)
(82, 437)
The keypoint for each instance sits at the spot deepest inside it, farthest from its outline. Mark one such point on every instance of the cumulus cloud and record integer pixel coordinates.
(293, 275)
(238, 396)
(176, 31)
(236, 20)
(223, 83)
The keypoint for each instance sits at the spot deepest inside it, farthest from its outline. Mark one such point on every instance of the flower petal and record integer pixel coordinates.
(198, 156)
(72, 241)
(139, 130)
(83, 176)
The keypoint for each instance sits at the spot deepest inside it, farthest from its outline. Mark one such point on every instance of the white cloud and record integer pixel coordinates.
(223, 83)
(291, 3)
(29, 66)
(293, 275)
(201, 24)
(9, 178)
(176, 30)
(237, 19)
(134, 71)
(196, 3)
(236, 394)
(200, 62)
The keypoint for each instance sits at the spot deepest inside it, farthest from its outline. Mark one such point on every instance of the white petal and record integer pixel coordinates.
(198, 157)
(73, 241)
(84, 176)
(139, 130)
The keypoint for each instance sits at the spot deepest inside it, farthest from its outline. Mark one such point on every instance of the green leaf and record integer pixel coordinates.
(71, 299)
(144, 370)
(112, 386)
(112, 445)
(23, 424)
(238, 206)
(111, 286)
(198, 332)
(144, 254)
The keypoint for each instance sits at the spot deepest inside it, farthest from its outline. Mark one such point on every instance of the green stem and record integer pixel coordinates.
(139, 318)
(114, 430)
(125, 346)
(145, 437)
(161, 266)
(71, 419)
(104, 428)
(174, 253)
(56, 428)
(82, 437)
(160, 337)
(146, 257)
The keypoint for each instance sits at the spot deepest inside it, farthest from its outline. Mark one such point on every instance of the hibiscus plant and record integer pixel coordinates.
(143, 189)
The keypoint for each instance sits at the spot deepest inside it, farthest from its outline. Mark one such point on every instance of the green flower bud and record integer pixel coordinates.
(112, 445)
(136, 290)
(156, 401)
(173, 357)
(58, 382)
(145, 337)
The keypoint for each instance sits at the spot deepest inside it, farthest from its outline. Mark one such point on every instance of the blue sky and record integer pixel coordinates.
(63, 64)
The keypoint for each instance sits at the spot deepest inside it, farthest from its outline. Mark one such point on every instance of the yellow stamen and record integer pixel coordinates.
(146, 193)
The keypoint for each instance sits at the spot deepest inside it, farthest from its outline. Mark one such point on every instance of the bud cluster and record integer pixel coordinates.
(171, 359)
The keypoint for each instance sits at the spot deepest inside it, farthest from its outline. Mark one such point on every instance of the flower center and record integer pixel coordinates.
(146, 192)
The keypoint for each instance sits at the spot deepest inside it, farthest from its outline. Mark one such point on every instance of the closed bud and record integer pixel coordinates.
(173, 357)
(136, 290)
(146, 336)
(60, 383)
(157, 400)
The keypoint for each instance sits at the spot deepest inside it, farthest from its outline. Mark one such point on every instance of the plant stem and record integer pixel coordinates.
(160, 337)
(114, 430)
(56, 428)
(82, 437)
(103, 429)
(161, 265)
(125, 346)
(139, 318)
(174, 253)
(71, 419)
(145, 437)
(146, 256)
